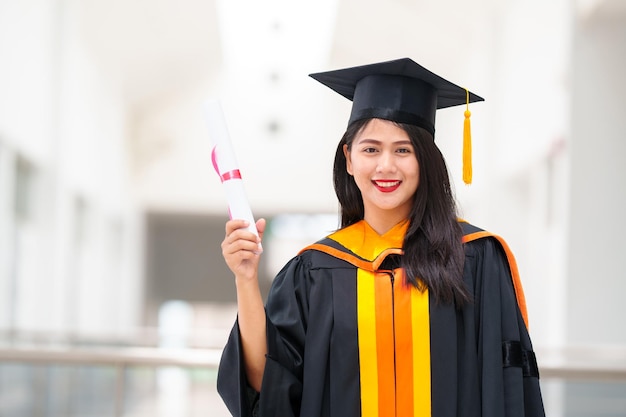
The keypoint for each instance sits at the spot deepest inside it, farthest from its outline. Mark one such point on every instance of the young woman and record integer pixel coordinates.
(405, 310)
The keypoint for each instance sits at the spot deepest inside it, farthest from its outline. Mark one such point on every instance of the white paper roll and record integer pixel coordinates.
(226, 165)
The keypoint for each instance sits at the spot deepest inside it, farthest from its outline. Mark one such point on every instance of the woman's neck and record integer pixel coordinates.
(383, 224)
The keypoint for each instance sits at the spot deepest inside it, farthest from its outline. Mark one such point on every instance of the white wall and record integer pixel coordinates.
(526, 184)
(27, 93)
(6, 233)
(595, 275)
(67, 121)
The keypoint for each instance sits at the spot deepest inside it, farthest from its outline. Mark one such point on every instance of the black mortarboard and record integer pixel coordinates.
(399, 90)
(402, 91)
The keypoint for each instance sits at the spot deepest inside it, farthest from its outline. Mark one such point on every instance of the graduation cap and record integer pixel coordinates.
(402, 91)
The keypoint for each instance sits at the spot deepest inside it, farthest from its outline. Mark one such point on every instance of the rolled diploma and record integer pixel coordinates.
(226, 165)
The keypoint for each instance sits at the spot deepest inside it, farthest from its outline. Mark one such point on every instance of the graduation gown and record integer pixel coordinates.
(347, 338)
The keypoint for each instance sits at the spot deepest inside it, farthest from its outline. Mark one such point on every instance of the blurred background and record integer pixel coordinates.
(114, 298)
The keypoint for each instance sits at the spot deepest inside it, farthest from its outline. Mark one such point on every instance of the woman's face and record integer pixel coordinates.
(383, 163)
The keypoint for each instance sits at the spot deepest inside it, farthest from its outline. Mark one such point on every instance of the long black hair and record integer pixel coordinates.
(433, 251)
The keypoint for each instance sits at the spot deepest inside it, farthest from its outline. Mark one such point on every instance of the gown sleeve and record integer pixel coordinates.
(507, 366)
(286, 319)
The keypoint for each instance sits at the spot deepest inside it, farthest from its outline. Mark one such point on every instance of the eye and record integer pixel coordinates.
(369, 149)
(404, 150)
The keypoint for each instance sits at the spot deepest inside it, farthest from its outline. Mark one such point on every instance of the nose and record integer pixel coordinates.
(385, 162)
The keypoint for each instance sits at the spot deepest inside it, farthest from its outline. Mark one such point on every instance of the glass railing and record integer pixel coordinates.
(94, 382)
(137, 382)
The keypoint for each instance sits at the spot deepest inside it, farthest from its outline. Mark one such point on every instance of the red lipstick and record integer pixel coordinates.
(386, 186)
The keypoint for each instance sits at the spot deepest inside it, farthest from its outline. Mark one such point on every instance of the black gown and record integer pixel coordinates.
(328, 356)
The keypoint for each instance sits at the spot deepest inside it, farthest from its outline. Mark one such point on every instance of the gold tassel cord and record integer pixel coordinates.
(467, 144)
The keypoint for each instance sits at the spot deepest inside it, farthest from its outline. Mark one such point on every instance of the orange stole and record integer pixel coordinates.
(517, 282)
(394, 346)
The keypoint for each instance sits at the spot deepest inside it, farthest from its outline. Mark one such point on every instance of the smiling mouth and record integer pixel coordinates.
(387, 186)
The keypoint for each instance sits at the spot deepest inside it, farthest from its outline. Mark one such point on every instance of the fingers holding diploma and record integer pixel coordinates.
(241, 248)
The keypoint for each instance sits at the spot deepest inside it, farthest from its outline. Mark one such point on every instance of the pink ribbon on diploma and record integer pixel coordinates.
(230, 175)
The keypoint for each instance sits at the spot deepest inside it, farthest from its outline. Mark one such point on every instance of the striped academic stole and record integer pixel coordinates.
(392, 320)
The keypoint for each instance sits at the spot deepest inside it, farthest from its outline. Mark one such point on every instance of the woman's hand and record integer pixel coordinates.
(242, 249)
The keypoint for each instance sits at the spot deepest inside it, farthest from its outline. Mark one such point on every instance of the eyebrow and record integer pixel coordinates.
(376, 141)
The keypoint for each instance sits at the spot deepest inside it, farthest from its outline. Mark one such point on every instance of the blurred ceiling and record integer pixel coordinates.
(601, 9)
(154, 46)
(159, 46)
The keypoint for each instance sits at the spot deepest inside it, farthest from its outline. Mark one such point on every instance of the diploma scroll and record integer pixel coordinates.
(226, 166)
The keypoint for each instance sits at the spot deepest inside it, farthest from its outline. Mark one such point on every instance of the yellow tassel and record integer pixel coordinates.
(467, 144)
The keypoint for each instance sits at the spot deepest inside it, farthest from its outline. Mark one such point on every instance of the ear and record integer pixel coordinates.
(346, 153)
